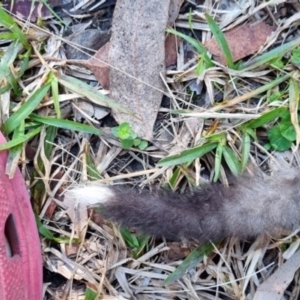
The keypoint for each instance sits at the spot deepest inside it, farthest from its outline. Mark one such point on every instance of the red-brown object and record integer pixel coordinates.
(20, 250)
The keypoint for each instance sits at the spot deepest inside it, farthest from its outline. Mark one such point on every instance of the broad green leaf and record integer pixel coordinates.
(220, 38)
(143, 145)
(126, 144)
(25, 109)
(136, 142)
(190, 262)
(287, 130)
(90, 294)
(20, 139)
(187, 155)
(277, 141)
(90, 92)
(196, 44)
(231, 160)
(66, 124)
(125, 132)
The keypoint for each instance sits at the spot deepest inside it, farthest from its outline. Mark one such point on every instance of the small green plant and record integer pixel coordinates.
(128, 137)
(136, 242)
(282, 135)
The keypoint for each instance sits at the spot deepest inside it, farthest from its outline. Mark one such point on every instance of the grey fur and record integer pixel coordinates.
(250, 206)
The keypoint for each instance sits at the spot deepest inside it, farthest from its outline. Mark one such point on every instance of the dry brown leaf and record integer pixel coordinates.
(171, 46)
(98, 65)
(274, 287)
(242, 41)
(137, 54)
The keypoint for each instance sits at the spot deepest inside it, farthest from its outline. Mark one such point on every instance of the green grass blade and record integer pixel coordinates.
(268, 56)
(190, 262)
(25, 109)
(8, 58)
(246, 144)
(218, 159)
(15, 152)
(196, 44)
(20, 139)
(266, 118)
(90, 92)
(66, 124)
(25, 62)
(231, 160)
(92, 171)
(55, 95)
(8, 22)
(53, 12)
(187, 155)
(38, 189)
(220, 38)
(8, 36)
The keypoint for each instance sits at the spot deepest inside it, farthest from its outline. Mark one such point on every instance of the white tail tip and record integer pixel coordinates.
(90, 195)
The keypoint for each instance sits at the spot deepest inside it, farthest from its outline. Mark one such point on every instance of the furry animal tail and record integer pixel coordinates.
(250, 206)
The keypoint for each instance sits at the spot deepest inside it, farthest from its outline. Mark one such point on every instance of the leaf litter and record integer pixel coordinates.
(93, 253)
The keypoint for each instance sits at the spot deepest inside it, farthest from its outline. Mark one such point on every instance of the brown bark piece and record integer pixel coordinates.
(137, 55)
(242, 41)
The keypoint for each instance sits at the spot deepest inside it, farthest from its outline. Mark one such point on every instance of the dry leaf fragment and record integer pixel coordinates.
(274, 287)
(242, 41)
(171, 46)
(98, 65)
(92, 39)
(28, 9)
(174, 11)
(137, 55)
